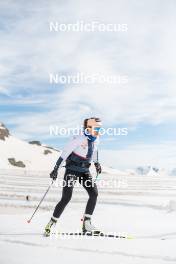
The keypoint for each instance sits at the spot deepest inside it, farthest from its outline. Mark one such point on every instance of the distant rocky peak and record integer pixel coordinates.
(4, 132)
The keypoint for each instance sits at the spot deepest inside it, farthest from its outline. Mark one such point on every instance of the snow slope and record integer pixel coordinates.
(31, 155)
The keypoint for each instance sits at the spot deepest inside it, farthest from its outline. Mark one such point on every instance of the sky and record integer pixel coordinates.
(144, 53)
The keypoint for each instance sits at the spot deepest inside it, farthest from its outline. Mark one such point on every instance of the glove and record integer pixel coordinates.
(98, 167)
(53, 174)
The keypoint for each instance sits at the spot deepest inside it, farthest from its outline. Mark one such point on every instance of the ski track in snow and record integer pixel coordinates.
(119, 253)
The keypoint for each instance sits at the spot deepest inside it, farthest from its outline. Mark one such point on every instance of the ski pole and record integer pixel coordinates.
(97, 171)
(40, 202)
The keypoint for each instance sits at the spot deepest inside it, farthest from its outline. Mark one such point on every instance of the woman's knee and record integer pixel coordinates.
(66, 198)
(94, 193)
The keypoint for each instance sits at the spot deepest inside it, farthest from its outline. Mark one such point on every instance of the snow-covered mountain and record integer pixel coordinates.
(19, 154)
(151, 171)
(173, 172)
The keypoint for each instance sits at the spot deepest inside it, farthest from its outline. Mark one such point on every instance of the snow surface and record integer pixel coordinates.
(154, 235)
(147, 216)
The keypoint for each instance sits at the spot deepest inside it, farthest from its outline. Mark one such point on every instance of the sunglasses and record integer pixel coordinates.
(96, 129)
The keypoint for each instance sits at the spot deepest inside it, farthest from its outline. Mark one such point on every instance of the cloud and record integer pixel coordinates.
(29, 52)
(141, 53)
(4, 91)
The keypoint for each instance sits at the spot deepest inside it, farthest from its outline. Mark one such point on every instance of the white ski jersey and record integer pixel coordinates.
(79, 146)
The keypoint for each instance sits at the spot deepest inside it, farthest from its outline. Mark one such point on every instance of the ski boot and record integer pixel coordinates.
(87, 226)
(50, 226)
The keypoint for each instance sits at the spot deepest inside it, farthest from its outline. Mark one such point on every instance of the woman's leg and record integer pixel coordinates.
(90, 186)
(69, 180)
